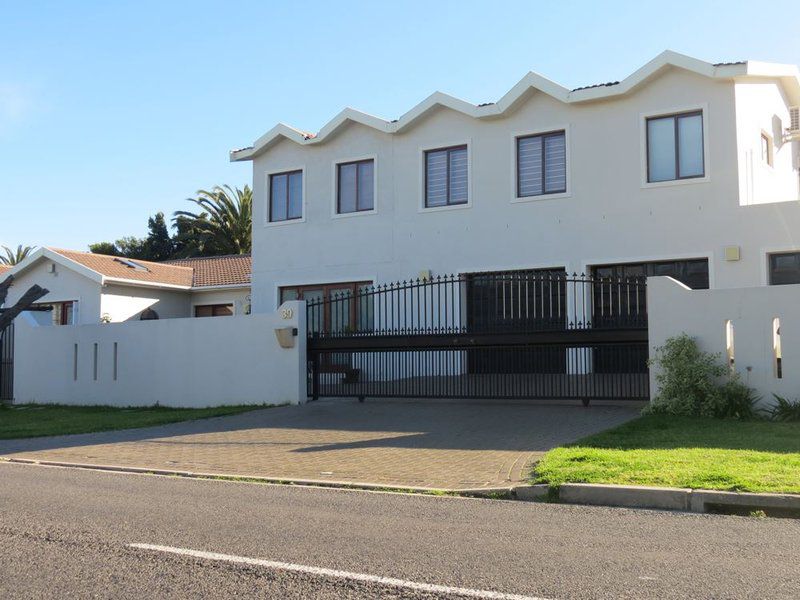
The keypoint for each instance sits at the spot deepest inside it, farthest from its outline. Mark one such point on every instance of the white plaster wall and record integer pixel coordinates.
(763, 107)
(125, 302)
(607, 216)
(240, 298)
(175, 362)
(63, 285)
(674, 309)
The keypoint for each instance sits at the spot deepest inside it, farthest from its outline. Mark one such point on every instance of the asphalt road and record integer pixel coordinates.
(68, 533)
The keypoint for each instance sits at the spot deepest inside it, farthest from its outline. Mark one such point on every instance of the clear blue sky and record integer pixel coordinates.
(112, 111)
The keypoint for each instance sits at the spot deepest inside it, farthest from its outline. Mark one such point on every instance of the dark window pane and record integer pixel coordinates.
(784, 269)
(661, 149)
(347, 188)
(693, 273)
(436, 178)
(223, 310)
(288, 294)
(690, 145)
(278, 198)
(203, 311)
(295, 208)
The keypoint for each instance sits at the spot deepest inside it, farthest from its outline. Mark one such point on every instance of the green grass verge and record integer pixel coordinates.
(37, 420)
(659, 450)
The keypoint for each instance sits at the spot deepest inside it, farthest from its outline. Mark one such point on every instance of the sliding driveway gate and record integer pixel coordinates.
(515, 334)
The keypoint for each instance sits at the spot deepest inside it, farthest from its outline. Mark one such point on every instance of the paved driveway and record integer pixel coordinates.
(439, 444)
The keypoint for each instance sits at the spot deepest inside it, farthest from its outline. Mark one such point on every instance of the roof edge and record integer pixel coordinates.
(531, 81)
(53, 255)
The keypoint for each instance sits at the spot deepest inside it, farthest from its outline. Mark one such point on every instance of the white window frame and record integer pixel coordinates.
(767, 251)
(443, 146)
(335, 187)
(268, 188)
(668, 112)
(515, 199)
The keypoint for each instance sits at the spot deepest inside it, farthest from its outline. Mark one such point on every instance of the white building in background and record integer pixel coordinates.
(684, 168)
(87, 289)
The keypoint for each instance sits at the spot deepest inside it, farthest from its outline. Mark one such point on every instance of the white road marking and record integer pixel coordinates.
(320, 571)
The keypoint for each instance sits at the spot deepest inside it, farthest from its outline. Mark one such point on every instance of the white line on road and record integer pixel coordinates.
(320, 571)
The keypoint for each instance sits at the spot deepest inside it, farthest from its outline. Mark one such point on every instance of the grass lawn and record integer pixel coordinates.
(36, 420)
(659, 450)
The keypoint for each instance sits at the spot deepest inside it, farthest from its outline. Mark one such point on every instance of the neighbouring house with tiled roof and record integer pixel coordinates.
(86, 288)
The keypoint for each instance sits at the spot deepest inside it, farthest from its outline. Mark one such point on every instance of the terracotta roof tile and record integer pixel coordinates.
(234, 269)
(122, 268)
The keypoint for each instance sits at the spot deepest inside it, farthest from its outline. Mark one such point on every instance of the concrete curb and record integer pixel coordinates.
(628, 496)
(678, 499)
(347, 485)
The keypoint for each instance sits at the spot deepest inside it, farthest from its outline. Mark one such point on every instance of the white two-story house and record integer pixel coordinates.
(684, 168)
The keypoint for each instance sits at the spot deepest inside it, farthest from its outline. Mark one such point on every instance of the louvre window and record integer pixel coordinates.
(285, 196)
(541, 164)
(675, 147)
(446, 177)
(356, 186)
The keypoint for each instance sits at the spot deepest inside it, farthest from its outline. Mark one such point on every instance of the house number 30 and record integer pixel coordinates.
(287, 313)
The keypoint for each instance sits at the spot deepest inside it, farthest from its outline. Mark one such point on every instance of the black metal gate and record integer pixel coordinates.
(514, 334)
(7, 364)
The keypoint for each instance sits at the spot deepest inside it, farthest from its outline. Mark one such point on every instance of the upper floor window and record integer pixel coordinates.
(784, 268)
(446, 177)
(285, 196)
(355, 186)
(541, 164)
(766, 149)
(675, 147)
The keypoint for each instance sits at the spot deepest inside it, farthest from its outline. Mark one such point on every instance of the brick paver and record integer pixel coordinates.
(440, 444)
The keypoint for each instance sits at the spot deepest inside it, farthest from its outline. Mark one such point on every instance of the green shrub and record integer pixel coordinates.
(785, 411)
(735, 400)
(696, 384)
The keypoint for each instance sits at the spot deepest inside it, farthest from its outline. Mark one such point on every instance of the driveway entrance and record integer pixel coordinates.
(437, 444)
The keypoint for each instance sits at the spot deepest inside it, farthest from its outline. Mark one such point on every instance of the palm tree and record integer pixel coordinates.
(223, 226)
(12, 257)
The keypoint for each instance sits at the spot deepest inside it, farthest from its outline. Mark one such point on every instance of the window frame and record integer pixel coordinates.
(550, 131)
(287, 172)
(353, 285)
(424, 151)
(675, 112)
(213, 308)
(335, 186)
(770, 256)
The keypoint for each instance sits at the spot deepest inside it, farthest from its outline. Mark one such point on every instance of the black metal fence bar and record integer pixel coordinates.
(468, 303)
(522, 334)
(526, 373)
(7, 364)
